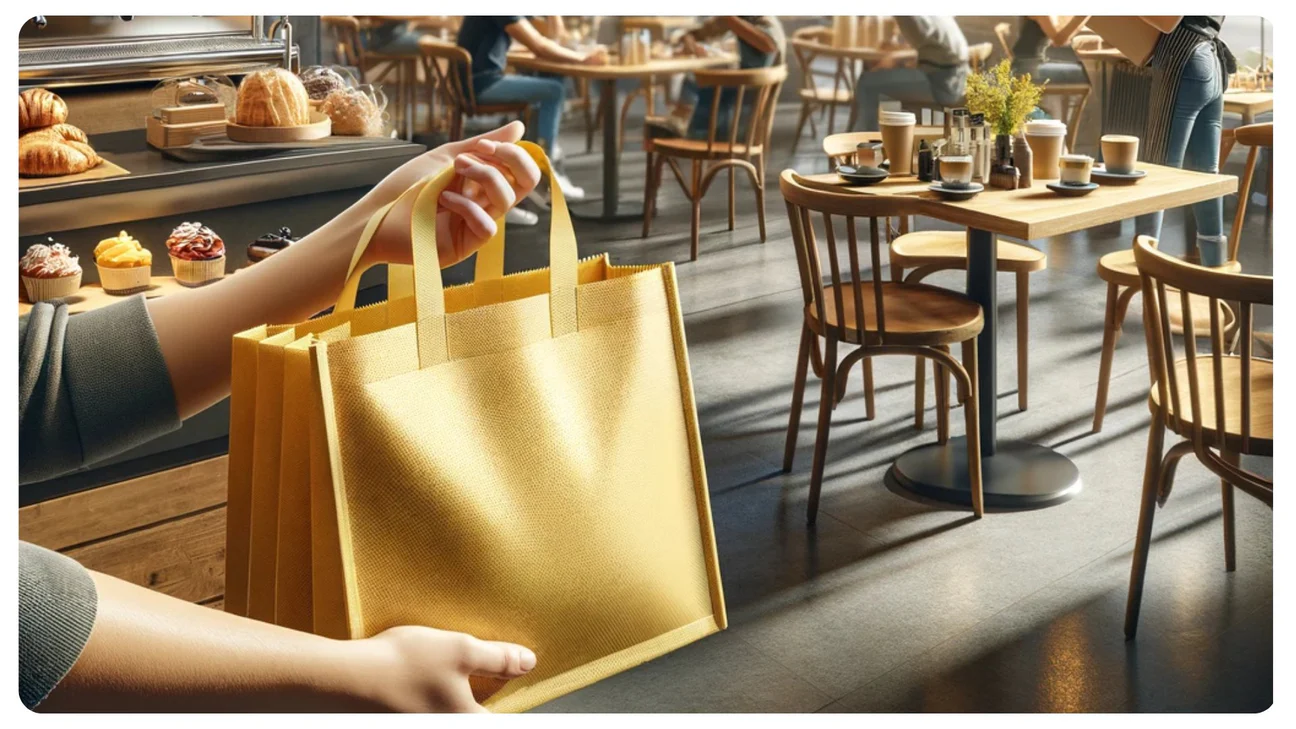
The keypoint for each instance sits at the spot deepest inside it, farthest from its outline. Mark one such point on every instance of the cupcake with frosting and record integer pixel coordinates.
(49, 272)
(124, 265)
(197, 254)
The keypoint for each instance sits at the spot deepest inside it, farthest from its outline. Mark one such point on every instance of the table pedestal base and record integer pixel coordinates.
(1019, 475)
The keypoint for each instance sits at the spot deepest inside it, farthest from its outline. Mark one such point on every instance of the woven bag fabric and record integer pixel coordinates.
(522, 463)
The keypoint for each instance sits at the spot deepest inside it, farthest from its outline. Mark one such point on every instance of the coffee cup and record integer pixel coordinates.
(1120, 152)
(1075, 168)
(956, 171)
(868, 154)
(897, 140)
(1046, 138)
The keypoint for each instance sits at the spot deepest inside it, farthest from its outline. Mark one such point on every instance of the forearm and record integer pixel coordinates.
(549, 50)
(151, 652)
(750, 34)
(195, 328)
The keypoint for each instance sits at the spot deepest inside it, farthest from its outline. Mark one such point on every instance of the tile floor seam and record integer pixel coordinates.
(791, 672)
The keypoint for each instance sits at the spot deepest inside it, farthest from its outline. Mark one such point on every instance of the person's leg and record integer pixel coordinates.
(1197, 84)
(545, 93)
(897, 84)
(1202, 155)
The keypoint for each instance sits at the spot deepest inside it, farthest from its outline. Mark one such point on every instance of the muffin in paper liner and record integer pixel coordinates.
(121, 281)
(197, 273)
(44, 289)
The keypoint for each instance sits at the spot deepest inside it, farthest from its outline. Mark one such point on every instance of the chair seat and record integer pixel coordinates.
(826, 95)
(1261, 442)
(1119, 268)
(949, 248)
(915, 314)
(697, 148)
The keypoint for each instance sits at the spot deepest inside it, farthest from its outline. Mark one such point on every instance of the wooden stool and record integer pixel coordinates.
(929, 251)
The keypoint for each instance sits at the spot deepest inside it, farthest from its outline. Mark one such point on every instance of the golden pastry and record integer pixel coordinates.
(40, 108)
(61, 149)
(353, 113)
(124, 265)
(272, 98)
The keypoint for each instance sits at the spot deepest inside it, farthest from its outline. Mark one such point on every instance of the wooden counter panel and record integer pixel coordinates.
(184, 558)
(90, 516)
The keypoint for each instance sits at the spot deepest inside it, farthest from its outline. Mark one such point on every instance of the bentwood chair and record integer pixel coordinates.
(1121, 274)
(753, 97)
(879, 317)
(1072, 98)
(446, 67)
(1219, 403)
(821, 92)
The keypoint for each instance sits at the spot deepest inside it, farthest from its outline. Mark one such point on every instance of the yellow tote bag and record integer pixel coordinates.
(522, 463)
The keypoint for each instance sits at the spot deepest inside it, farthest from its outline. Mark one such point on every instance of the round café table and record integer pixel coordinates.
(611, 209)
(1017, 474)
(869, 57)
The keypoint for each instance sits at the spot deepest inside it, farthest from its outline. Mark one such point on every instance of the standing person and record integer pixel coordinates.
(940, 78)
(761, 44)
(1043, 49)
(90, 642)
(487, 39)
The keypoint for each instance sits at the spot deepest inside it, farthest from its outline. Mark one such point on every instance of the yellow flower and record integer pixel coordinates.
(1003, 99)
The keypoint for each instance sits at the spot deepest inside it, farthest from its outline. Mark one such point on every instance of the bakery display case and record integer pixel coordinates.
(155, 514)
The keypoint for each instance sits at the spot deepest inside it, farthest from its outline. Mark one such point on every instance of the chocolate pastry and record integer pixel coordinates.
(269, 244)
(321, 81)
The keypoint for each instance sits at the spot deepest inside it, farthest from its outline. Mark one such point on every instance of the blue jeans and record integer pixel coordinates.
(1194, 145)
(944, 87)
(546, 93)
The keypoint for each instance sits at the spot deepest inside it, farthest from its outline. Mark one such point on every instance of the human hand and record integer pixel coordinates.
(692, 47)
(492, 175)
(883, 63)
(416, 669)
(597, 56)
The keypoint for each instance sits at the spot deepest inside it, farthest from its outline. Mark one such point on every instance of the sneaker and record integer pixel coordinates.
(569, 190)
(521, 216)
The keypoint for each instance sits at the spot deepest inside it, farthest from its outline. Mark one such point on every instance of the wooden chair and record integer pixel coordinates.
(1072, 98)
(880, 317)
(816, 97)
(1221, 404)
(376, 68)
(446, 66)
(1121, 273)
(760, 86)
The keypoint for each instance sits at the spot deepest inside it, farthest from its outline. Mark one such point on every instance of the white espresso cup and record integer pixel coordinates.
(1075, 169)
(956, 171)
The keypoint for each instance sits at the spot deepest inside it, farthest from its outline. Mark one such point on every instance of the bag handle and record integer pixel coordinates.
(429, 290)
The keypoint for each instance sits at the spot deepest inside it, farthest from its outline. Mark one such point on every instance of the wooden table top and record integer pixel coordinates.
(871, 55)
(1255, 102)
(682, 64)
(92, 296)
(844, 142)
(1036, 212)
(666, 21)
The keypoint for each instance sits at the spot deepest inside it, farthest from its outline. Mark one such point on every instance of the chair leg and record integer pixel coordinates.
(826, 397)
(1023, 334)
(972, 425)
(798, 396)
(1111, 332)
(942, 401)
(695, 196)
(920, 390)
(1147, 509)
(760, 197)
(731, 198)
(650, 194)
(869, 411)
(1226, 491)
(800, 127)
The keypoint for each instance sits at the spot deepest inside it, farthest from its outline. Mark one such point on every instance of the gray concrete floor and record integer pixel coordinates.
(893, 605)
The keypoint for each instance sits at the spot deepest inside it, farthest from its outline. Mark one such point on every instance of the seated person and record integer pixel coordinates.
(487, 39)
(761, 44)
(939, 79)
(1031, 52)
(394, 36)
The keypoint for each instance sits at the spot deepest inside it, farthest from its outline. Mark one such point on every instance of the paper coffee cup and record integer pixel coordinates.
(897, 140)
(1120, 153)
(1046, 138)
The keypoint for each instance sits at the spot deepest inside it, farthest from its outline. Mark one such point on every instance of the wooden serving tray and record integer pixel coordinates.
(92, 296)
(206, 149)
(103, 170)
(321, 126)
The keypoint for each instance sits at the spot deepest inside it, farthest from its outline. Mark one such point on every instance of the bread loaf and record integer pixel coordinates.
(272, 98)
(40, 108)
(61, 149)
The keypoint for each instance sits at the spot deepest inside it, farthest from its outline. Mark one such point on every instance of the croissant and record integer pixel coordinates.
(58, 150)
(272, 98)
(40, 108)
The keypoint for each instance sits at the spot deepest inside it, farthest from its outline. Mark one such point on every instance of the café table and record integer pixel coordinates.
(608, 76)
(1017, 474)
(869, 56)
(1248, 104)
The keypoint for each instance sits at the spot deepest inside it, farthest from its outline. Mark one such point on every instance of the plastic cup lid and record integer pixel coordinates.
(895, 118)
(1046, 127)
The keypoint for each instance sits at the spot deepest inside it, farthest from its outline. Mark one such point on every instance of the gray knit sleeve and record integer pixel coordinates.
(89, 386)
(57, 602)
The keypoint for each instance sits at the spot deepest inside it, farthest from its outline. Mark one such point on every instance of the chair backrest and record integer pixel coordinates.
(805, 51)
(979, 54)
(840, 147)
(804, 204)
(1254, 136)
(1164, 276)
(450, 68)
(1001, 32)
(345, 30)
(758, 85)
(1087, 42)
(813, 33)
